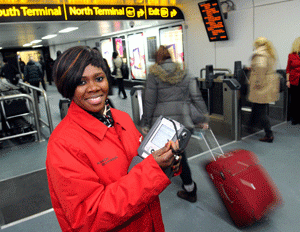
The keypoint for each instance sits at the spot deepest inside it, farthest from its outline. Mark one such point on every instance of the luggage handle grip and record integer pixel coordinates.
(210, 150)
(226, 195)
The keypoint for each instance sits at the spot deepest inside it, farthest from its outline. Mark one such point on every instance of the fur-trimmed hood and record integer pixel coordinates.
(168, 72)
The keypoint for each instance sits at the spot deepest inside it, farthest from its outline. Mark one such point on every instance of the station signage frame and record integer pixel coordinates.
(70, 12)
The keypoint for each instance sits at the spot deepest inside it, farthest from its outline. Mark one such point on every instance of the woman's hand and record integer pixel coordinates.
(165, 157)
(288, 84)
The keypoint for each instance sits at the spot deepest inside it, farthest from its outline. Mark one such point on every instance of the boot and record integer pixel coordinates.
(189, 196)
(267, 139)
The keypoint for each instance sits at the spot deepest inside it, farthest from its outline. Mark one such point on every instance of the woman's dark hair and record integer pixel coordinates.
(162, 54)
(69, 67)
(114, 55)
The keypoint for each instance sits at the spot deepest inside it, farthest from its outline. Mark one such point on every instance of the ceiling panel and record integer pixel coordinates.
(13, 35)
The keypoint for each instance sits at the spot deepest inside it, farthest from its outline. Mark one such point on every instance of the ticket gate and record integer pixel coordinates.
(223, 101)
(137, 103)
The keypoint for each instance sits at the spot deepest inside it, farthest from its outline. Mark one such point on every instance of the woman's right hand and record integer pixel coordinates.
(165, 156)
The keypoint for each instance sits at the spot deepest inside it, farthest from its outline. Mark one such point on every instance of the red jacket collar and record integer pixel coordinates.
(92, 124)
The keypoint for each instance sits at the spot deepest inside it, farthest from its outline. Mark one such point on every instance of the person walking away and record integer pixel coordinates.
(117, 61)
(169, 91)
(263, 85)
(33, 74)
(22, 65)
(43, 67)
(49, 64)
(292, 80)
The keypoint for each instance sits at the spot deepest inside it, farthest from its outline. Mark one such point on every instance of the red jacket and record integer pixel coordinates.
(90, 188)
(293, 68)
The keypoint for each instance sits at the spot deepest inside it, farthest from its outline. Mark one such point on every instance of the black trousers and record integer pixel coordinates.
(186, 175)
(36, 84)
(294, 106)
(259, 115)
(121, 86)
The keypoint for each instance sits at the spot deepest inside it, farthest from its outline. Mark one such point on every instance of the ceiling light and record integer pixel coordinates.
(27, 45)
(37, 46)
(36, 41)
(49, 36)
(0, 47)
(68, 29)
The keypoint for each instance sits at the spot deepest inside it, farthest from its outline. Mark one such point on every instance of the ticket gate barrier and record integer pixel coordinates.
(137, 103)
(223, 101)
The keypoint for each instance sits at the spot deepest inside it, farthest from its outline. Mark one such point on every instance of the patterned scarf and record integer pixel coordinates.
(106, 118)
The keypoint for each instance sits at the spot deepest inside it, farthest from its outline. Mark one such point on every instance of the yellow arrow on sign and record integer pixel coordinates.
(173, 13)
(140, 13)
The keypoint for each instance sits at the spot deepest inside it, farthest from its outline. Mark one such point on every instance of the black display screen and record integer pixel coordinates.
(213, 20)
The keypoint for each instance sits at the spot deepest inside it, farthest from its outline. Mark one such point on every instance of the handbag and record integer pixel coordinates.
(195, 115)
(114, 72)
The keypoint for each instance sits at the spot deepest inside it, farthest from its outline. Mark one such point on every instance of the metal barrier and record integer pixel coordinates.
(37, 131)
(35, 90)
(137, 103)
(224, 108)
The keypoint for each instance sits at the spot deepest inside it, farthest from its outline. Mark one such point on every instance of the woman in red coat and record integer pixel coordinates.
(292, 78)
(90, 151)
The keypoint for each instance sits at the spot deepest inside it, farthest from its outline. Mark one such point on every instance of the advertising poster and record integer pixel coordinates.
(137, 56)
(172, 38)
(107, 50)
(119, 46)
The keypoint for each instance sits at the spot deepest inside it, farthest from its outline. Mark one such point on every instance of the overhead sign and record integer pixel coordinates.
(213, 20)
(63, 12)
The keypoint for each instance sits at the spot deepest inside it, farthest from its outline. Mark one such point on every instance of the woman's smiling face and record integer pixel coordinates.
(92, 92)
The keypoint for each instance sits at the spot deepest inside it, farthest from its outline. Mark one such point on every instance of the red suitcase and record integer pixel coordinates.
(245, 187)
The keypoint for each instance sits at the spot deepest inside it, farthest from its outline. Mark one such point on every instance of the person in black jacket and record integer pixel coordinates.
(49, 64)
(9, 71)
(33, 73)
(43, 66)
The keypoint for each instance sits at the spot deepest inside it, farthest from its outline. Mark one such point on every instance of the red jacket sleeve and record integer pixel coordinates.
(288, 67)
(88, 204)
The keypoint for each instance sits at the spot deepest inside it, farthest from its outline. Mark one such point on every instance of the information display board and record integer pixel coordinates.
(213, 20)
(137, 56)
(152, 47)
(171, 37)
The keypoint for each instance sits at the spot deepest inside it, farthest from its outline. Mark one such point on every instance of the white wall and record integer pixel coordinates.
(278, 20)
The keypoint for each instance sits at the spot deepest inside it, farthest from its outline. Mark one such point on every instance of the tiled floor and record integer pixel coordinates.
(280, 158)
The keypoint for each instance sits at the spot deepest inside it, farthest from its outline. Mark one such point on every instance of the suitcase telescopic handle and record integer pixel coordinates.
(216, 141)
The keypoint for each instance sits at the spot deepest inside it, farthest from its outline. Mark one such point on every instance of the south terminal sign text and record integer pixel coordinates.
(17, 13)
(62, 12)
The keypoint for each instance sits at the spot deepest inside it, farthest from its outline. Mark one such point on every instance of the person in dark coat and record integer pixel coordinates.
(10, 72)
(33, 73)
(48, 66)
(43, 66)
(168, 92)
(22, 65)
